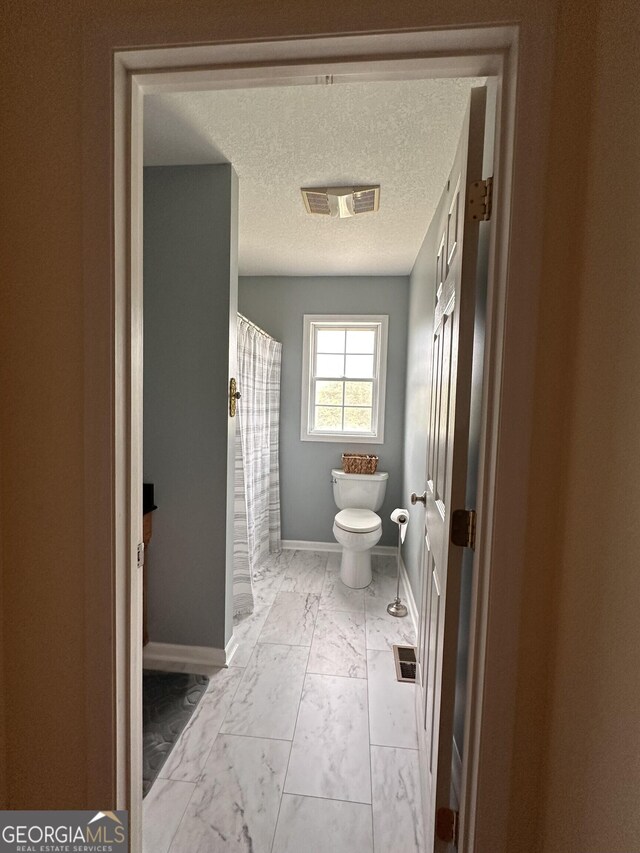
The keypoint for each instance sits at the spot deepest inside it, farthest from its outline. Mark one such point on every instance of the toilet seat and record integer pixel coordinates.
(358, 520)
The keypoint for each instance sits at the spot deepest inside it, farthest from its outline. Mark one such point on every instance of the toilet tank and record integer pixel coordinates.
(359, 491)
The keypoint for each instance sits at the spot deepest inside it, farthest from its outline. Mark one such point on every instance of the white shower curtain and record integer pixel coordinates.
(257, 470)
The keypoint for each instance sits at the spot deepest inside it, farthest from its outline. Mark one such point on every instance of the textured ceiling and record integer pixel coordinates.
(400, 134)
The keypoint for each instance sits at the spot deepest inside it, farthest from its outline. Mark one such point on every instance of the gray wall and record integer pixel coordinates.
(419, 353)
(190, 289)
(278, 305)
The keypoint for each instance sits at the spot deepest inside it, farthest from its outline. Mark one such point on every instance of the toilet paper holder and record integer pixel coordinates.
(401, 518)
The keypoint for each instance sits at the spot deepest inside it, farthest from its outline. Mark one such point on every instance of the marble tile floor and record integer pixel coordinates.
(307, 742)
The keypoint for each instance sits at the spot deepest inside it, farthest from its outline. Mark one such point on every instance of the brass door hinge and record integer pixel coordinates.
(463, 528)
(479, 200)
(447, 825)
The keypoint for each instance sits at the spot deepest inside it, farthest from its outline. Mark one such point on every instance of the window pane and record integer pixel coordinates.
(330, 340)
(328, 418)
(361, 340)
(357, 420)
(358, 394)
(330, 365)
(360, 366)
(329, 393)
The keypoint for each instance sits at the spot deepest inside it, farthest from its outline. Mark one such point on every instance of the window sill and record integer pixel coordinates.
(343, 438)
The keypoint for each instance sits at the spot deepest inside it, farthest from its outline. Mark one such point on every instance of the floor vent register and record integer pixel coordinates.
(405, 661)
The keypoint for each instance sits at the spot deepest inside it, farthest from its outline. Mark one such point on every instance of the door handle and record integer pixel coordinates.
(419, 498)
(234, 396)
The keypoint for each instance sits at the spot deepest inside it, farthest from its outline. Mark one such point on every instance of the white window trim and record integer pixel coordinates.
(381, 367)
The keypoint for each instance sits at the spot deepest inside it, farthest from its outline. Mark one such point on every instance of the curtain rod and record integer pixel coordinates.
(255, 326)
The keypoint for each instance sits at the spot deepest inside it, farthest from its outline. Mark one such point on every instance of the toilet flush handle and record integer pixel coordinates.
(419, 498)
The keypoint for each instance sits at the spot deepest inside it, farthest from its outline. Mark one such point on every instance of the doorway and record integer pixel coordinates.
(498, 63)
(280, 288)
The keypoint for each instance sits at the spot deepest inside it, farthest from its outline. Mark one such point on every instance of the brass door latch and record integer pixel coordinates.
(234, 396)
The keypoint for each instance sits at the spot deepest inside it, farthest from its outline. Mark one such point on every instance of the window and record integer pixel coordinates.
(343, 378)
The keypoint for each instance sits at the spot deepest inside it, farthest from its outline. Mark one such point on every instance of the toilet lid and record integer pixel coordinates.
(358, 520)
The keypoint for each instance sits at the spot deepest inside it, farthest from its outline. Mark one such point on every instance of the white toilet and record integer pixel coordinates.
(357, 527)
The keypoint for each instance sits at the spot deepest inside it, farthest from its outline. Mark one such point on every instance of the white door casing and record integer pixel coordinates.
(118, 73)
(456, 265)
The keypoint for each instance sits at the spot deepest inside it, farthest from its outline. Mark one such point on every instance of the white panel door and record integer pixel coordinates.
(455, 263)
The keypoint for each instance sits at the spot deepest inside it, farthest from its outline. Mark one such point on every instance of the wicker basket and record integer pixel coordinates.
(359, 463)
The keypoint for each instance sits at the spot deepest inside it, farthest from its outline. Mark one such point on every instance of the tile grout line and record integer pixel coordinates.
(338, 675)
(373, 832)
(329, 799)
(368, 618)
(233, 696)
(366, 636)
(214, 739)
(320, 797)
(179, 824)
(275, 825)
(286, 772)
(240, 680)
(196, 783)
(255, 737)
(401, 748)
(366, 657)
(313, 636)
(269, 606)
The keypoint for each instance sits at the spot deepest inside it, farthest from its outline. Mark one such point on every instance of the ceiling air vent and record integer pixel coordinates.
(341, 201)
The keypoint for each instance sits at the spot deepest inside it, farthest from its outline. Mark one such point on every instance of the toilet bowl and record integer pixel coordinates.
(357, 527)
(357, 530)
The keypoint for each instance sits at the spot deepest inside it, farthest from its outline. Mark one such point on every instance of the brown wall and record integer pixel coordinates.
(581, 582)
(559, 288)
(41, 418)
(593, 757)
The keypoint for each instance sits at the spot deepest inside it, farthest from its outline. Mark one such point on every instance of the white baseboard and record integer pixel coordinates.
(230, 649)
(409, 597)
(305, 545)
(199, 660)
